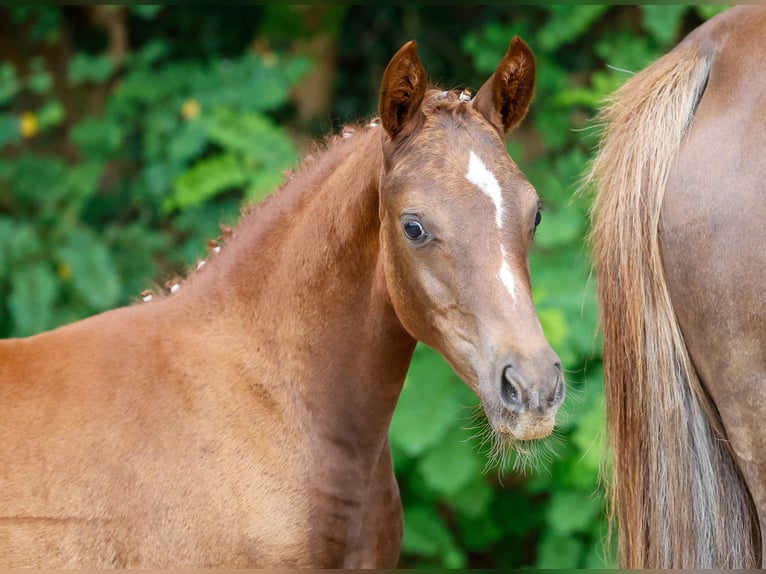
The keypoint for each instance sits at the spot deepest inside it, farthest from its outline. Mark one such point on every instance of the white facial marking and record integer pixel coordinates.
(147, 298)
(201, 264)
(175, 288)
(217, 249)
(506, 276)
(480, 175)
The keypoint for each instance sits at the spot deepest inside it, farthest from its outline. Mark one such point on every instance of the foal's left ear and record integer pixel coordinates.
(504, 99)
(402, 89)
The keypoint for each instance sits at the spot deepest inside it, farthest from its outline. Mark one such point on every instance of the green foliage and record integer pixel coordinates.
(113, 173)
(172, 135)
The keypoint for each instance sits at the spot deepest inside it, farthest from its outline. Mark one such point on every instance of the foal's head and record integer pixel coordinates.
(457, 222)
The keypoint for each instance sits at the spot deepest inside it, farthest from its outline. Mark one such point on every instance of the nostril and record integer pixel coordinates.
(558, 393)
(510, 391)
(557, 366)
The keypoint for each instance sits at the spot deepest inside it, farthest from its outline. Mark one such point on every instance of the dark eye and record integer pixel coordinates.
(538, 218)
(414, 230)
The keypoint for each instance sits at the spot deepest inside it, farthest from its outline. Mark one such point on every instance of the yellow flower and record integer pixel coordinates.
(65, 271)
(190, 109)
(28, 126)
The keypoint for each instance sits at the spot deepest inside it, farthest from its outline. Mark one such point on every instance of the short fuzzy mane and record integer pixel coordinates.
(324, 157)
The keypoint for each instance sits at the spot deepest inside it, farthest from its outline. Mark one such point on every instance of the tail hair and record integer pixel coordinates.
(677, 497)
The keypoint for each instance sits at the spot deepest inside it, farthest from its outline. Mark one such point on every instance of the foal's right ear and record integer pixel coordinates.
(402, 89)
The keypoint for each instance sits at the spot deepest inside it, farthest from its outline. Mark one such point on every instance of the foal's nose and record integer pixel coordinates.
(539, 389)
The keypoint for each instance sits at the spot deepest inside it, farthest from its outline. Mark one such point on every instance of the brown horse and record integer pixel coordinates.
(680, 248)
(242, 419)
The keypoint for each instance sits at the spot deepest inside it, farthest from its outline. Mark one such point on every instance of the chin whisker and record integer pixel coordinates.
(507, 455)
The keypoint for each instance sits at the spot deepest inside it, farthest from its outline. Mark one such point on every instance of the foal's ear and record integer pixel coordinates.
(504, 99)
(402, 89)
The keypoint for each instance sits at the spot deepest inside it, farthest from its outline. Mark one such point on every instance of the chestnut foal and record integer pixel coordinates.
(242, 420)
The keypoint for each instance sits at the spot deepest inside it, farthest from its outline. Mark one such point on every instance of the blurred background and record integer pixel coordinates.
(128, 134)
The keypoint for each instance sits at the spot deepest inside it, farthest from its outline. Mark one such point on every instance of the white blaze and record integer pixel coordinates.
(506, 276)
(480, 175)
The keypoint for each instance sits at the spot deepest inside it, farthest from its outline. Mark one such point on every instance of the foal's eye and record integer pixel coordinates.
(414, 230)
(538, 218)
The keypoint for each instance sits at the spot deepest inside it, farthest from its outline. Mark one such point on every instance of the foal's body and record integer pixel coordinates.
(242, 420)
(295, 432)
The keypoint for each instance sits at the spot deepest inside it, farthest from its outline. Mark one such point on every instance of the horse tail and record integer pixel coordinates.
(676, 495)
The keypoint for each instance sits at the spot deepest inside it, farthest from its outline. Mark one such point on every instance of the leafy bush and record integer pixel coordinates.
(175, 148)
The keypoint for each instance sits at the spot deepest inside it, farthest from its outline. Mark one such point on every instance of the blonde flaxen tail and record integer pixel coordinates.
(677, 497)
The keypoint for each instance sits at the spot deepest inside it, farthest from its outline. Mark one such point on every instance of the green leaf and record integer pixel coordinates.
(625, 51)
(146, 11)
(571, 511)
(9, 130)
(90, 267)
(474, 498)
(262, 183)
(556, 551)
(82, 183)
(663, 21)
(559, 227)
(20, 243)
(137, 251)
(38, 179)
(426, 534)
(554, 325)
(427, 404)
(39, 81)
(46, 23)
(200, 223)
(97, 137)
(51, 114)
(33, 290)
(187, 142)
(158, 180)
(590, 434)
(478, 532)
(9, 82)
(87, 68)
(153, 51)
(450, 467)
(568, 22)
(253, 135)
(206, 179)
(295, 68)
(247, 84)
(8, 231)
(488, 45)
(707, 11)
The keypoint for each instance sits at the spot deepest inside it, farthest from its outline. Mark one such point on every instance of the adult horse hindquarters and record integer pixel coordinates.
(679, 245)
(242, 420)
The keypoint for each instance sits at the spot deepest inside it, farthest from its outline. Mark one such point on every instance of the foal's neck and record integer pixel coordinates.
(307, 279)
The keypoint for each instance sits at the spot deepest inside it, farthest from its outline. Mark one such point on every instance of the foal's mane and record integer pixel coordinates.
(329, 153)
(323, 158)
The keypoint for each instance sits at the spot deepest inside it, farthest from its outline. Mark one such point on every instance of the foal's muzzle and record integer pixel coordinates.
(540, 391)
